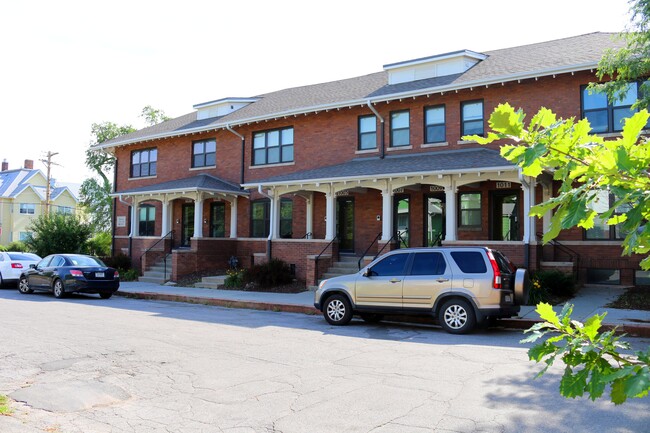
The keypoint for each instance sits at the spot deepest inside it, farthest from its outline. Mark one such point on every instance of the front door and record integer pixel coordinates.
(217, 220)
(187, 229)
(434, 220)
(345, 223)
(505, 216)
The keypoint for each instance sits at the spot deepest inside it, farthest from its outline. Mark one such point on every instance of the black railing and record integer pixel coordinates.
(437, 241)
(573, 254)
(321, 253)
(368, 249)
(308, 235)
(396, 237)
(171, 246)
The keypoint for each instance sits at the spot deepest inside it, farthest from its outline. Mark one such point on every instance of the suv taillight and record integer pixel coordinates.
(496, 283)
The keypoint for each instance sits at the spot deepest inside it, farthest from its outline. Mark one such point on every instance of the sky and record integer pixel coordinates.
(65, 65)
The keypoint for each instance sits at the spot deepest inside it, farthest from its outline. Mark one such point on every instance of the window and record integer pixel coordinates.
(273, 147)
(399, 128)
(390, 266)
(470, 209)
(27, 208)
(601, 230)
(428, 264)
(204, 153)
(143, 162)
(434, 124)
(367, 132)
(65, 210)
(286, 218)
(469, 262)
(471, 118)
(605, 115)
(217, 220)
(24, 236)
(147, 219)
(260, 219)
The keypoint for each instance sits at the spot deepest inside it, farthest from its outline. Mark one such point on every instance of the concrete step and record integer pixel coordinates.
(152, 280)
(348, 269)
(203, 285)
(328, 275)
(217, 279)
(348, 258)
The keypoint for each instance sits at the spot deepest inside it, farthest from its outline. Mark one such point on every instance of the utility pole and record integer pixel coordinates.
(48, 163)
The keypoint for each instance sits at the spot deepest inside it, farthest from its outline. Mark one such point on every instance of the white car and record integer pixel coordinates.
(12, 264)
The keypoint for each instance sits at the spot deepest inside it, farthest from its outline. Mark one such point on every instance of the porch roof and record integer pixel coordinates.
(198, 183)
(429, 163)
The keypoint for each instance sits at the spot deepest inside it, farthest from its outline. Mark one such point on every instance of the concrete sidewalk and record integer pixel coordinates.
(589, 301)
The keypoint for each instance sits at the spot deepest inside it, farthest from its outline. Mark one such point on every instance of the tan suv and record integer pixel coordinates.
(460, 286)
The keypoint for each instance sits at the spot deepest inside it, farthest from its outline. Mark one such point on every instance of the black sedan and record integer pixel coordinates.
(70, 273)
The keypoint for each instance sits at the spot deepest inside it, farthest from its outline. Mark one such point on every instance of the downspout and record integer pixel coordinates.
(269, 254)
(381, 129)
(130, 224)
(243, 152)
(114, 210)
(527, 240)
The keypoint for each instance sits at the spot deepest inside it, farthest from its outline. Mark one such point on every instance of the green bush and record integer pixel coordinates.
(16, 246)
(120, 261)
(128, 274)
(58, 233)
(556, 282)
(235, 278)
(271, 274)
(537, 293)
(99, 245)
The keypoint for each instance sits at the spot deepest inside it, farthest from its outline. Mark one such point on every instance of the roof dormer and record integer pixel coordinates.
(440, 65)
(221, 107)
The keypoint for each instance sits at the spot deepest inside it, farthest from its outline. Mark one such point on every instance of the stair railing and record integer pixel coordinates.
(171, 246)
(573, 254)
(368, 249)
(396, 237)
(321, 253)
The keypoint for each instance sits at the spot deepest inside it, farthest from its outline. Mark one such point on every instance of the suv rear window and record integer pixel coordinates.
(505, 265)
(470, 262)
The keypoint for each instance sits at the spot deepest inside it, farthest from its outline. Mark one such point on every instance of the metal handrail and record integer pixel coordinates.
(573, 255)
(171, 246)
(368, 249)
(307, 235)
(321, 253)
(396, 237)
(438, 240)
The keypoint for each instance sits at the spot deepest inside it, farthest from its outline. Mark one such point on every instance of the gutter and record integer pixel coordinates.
(269, 245)
(381, 120)
(243, 150)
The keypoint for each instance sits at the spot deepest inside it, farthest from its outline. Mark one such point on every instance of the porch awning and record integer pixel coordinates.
(429, 163)
(198, 183)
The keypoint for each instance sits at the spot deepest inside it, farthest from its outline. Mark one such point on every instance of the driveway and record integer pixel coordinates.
(122, 365)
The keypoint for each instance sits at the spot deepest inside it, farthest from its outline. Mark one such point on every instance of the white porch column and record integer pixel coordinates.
(330, 215)
(275, 216)
(531, 219)
(134, 218)
(164, 218)
(233, 218)
(546, 219)
(451, 217)
(525, 186)
(309, 214)
(387, 214)
(198, 216)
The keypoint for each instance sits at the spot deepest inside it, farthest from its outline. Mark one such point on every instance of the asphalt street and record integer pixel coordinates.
(87, 365)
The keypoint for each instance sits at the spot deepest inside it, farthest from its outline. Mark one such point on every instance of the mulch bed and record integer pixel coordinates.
(634, 298)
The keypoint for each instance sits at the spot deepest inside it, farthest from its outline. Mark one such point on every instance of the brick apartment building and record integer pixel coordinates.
(363, 165)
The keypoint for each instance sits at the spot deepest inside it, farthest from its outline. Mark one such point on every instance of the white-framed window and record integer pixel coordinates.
(66, 210)
(434, 124)
(23, 236)
(204, 153)
(470, 209)
(400, 129)
(143, 162)
(273, 147)
(28, 208)
(471, 117)
(367, 132)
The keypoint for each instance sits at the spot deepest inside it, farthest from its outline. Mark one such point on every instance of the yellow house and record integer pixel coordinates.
(23, 198)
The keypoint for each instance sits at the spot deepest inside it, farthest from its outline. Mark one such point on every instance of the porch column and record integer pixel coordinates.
(164, 218)
(526, 187)
(134, 218)
(450, 213)
(275, 216)
(531, 219)
(233, 218)
(386, 214)
(330, 215)
(309, 214)
(546, 219)
(198, 216)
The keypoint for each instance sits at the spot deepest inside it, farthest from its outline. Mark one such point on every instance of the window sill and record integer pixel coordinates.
(281, 164)
(207, 167)
(466, 142)
(364, 151)
(143, 177)
(395, 148)
(440, 144)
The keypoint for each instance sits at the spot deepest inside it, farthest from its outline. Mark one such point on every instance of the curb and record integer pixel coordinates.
(628, 329)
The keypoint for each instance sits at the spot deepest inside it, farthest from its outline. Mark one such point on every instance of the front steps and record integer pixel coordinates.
(211, 282)
(347, 264)
(156, 274)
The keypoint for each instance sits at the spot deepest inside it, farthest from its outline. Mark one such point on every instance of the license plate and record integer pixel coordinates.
(99, 275)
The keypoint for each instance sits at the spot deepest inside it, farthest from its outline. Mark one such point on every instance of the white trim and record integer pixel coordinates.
(397, 148)
(279, 164)
(439, 144)
(365, 151)
(143, 177)
(466, 142)
(208, 167)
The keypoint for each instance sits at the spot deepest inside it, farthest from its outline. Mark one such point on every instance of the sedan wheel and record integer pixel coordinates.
(457, 317)
(337, 310)
(59, 291)
(105, 295)
(23, 286)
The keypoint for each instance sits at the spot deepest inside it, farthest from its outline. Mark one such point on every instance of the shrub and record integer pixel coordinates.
(556, 282)
(235, 278)
(119, 261)
(128, 274)
(17, 246)
(537, 293)
(58, 233)
(99, 245)
(274, 273)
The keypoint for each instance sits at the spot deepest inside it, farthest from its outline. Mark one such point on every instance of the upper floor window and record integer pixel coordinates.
(66, 210)
(607, 115)
(204, 153)
(272, 147)
(434, 124)
(470, 209)
(471, 118)
(24, 236)
(27, 208)
(143, 162)
(367, 132)
(147, 220)
(399, 128)
(601, 230)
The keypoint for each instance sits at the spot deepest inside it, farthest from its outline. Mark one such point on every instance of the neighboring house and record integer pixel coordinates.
(23, 198)
(352, 166)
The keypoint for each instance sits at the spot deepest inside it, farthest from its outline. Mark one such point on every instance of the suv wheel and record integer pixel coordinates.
(337, 310)
(457, 317)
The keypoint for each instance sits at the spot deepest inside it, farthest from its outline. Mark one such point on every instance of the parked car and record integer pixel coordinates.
(13, 263)
(70, 273)
(459, 286)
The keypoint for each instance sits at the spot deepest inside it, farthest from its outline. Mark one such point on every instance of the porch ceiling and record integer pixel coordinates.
(430, 163)
(199, 183)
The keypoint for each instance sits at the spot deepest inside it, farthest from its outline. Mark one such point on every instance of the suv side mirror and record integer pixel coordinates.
(366, 272)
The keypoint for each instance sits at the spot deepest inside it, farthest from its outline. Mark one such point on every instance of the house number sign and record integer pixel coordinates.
(120, 221)
(504, 185)
(436, 188)
(398, 190)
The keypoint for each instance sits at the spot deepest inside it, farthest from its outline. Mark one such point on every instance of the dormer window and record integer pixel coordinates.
(221, 107)
(442, 65)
